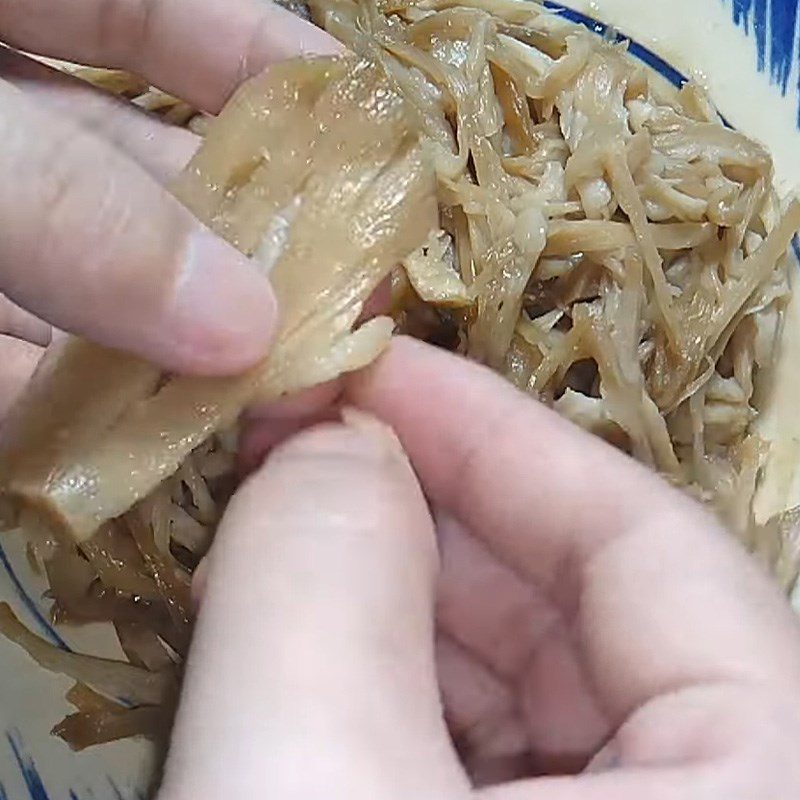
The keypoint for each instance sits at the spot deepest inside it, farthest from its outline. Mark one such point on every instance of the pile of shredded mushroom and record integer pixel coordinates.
(602, 239)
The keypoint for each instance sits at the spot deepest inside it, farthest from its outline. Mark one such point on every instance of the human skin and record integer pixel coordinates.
(92, 242)
(566, 607)
(560, 610)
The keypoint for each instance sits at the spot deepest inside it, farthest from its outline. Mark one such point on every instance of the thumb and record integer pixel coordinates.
(312, 669)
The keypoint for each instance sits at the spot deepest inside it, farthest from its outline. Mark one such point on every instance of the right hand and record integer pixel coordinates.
(91, 242)
(589, 619)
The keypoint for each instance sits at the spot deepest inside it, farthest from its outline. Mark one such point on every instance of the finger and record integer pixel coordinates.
(199, 578)
(95, 246)
(594, 529)
(162, 149)
(21, 324)
(499, 456)
(482, 716)
(732, 746)
(304, 405)
(656, 784)
(262, 436)
(312, 665)
(19, 360)
(199, 51)
(487, 606)
(268, 425)
(509, 626)
(379, 302)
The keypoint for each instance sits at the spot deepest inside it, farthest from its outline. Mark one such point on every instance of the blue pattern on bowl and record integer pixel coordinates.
(46, 628)
(35, 785)
(773, 24)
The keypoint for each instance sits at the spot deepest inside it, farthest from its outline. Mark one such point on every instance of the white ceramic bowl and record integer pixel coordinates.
(744, 51)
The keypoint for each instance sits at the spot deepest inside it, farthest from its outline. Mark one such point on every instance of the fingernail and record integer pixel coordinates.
(358, 439)
(373, 430)
(289, 35)
(224, 313)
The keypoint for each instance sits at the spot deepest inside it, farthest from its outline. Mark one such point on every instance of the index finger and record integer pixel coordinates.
(198, 50)
(658, 595)
(496, 459)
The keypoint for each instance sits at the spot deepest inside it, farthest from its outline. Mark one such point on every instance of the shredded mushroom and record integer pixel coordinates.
(602, 240)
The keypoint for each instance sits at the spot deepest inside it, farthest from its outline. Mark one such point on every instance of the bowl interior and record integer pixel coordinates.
(749, 62)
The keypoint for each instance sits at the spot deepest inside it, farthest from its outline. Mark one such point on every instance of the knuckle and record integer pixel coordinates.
(127, 28)
(99, 227)
(65, 194)
(57, 189)
(17, 322)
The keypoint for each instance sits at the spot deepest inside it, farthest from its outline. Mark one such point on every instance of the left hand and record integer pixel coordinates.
(198, 50)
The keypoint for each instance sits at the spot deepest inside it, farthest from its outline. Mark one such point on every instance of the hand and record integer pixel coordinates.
(91, 241)
(589, 619)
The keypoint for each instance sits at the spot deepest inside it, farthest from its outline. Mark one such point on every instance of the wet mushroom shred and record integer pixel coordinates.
(543, 204)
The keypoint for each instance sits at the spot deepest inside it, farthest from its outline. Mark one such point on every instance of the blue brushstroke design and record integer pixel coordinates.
(741, 13)
(773, 25)
(782, 25)
(42, 622)
(32, 778)
(27, 767)
(760, 30)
